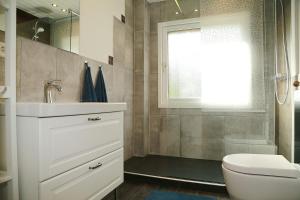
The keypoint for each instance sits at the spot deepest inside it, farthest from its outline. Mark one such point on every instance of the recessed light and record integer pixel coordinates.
(177, 13)
(196, 10)
(54, 4)
(64, 10)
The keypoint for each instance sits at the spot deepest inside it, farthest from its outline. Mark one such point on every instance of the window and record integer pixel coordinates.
(205, 62)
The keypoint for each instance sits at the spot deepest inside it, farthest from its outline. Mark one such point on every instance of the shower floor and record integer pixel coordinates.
(208, 172)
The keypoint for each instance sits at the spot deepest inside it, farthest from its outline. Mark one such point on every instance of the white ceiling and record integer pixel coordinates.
(44, 8)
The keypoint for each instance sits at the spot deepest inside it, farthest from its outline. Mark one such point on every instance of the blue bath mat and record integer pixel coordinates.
(160, 195)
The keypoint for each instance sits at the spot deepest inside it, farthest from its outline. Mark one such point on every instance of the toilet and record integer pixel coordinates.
(261, 177)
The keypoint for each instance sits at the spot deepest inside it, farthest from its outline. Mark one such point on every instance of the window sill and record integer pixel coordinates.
(215, 110)
(232, 110)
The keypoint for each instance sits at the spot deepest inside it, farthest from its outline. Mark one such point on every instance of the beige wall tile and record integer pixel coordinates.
(119, 83)
(33, 94)
(154, 135)
(129, 39)
(119, 41)
(212, 149)
(38, 65)
(128, 85)
(129, 13)
(204, 127)
(138, 101)
(166, 135)
(139, 9)
(138, 83)
(139, 51)
(68, 70)
(155, 16)
(128, 135)
(138, 138)
(246, 127)
(153, 53)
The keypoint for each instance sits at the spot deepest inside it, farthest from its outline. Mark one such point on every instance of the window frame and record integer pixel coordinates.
(163, 29)
(163, 81)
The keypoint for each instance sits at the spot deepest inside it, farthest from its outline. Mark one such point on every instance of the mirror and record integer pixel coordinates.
(3, 102)
(55, 23)
(2, 45)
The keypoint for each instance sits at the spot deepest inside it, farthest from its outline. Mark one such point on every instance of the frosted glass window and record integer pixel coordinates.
(184, 64)
(208, 64)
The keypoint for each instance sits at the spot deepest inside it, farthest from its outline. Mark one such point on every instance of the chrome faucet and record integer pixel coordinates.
(48, 89)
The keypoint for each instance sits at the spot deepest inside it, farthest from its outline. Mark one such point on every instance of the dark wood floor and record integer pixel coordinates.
(139, 188)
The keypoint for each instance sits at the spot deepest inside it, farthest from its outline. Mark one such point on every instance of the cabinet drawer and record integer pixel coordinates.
(68, 142)
(84, 183)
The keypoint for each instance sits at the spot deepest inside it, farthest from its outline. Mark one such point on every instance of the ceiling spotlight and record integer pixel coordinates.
(196, 10)
(177, 13)
(54, 4)
(64, 10)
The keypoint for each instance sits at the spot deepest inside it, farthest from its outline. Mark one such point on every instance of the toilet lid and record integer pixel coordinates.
(260, 164)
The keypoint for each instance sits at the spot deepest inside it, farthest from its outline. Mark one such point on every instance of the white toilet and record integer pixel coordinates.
(261, 177)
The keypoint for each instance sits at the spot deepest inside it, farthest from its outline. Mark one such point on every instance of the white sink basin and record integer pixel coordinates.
(65, 109)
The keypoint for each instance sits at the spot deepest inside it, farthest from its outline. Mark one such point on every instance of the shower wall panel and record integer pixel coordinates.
(196, 133)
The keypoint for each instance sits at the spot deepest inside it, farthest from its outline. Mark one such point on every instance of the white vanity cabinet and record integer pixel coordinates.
(75, 152)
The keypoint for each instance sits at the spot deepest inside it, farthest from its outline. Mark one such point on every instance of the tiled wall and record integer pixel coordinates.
(141, 76)
(128, 77)
(193, 132)
(37, 62)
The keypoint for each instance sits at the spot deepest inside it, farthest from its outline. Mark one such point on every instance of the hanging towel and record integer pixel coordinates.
(88, 90)
(100, 87)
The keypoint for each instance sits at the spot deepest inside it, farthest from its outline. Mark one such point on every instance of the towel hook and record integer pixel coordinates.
(86, 65)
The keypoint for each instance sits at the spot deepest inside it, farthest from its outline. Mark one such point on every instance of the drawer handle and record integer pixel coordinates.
(94, 119)
(96, 166)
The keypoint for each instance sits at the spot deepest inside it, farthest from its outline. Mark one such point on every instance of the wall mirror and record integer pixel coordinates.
(2, 45)
(55, 23)
(3, 101)
(58, 23)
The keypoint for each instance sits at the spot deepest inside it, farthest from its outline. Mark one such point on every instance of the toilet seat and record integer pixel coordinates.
(260, 164)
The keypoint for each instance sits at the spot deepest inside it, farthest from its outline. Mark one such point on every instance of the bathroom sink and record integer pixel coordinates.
(63, 109)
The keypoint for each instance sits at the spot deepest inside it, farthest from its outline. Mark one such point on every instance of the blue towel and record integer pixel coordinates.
(88, 90)
(100, 87)
(162, 195)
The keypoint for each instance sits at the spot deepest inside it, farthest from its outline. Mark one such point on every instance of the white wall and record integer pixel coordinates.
(96, 27)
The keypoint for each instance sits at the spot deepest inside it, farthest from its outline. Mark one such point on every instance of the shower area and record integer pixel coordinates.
(203, 86)
(60, 31)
